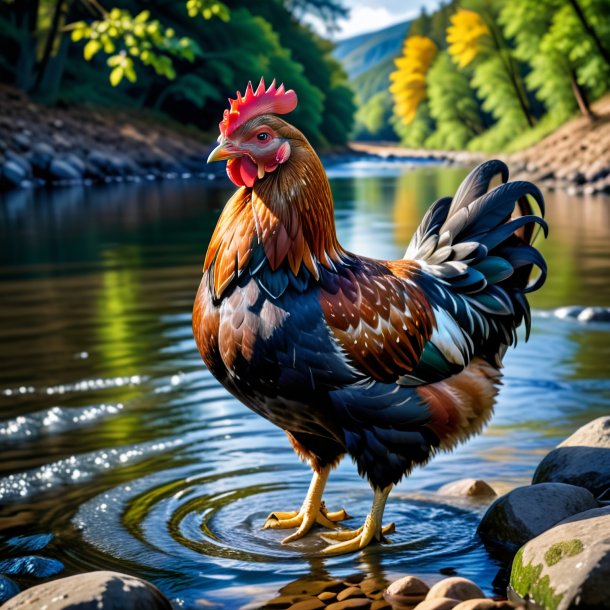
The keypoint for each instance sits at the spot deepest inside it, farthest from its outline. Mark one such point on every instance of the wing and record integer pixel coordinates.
(378, 315)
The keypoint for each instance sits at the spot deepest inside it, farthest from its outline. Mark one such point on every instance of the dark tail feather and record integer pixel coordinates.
(479, 246)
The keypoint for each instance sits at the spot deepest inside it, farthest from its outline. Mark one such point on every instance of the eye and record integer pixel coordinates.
(263, 136)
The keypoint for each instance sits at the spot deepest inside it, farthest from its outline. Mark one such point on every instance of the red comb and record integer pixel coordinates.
(275, 100)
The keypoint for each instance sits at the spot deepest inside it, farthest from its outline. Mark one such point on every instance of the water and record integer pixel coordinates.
(117, 442)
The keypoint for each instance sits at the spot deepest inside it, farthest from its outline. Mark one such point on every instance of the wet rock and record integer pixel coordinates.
(305, 586)
(354, 602)
(60, 170)
(22, 141)
(381, 604)
(438, 603)
(582, 459)
(21, 161)
(568, 566)
(526, 512)
(76, 162)
(486, 604)
(285, 601)
(373, 586)
(8, 588)
(570, 311)
(594, 314)
(468, 488)
(41, 157)
(326, 596)
(12, 174)
(313, 603)
(35, 542)
(407, 591)
(91, 591)
(455, 587)
(350, 592)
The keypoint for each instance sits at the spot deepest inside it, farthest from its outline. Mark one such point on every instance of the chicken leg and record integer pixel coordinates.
(347, 541)
(312, 511)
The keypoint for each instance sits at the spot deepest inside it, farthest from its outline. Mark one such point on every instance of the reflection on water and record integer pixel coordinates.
(116, 440)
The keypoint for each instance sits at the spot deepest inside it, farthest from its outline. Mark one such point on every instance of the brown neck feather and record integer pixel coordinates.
(289, 212)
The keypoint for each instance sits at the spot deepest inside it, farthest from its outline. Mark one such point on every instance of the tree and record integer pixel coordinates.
(453, 106)
(409, 80)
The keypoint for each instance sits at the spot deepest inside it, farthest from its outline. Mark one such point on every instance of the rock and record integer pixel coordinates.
(406, 591)
(486, 604)
(12, 174)
(455, 587)
(91, 591)
(22, 141)
(468, 488)
(21, 161)
(381, 604)
(568, 566)
(437, 603)
(354, 602)
(8, 588)
(594, 314)
(326, 596)
(582, 459)
(305, 586)
(571, 311)
(41, 157)
(350, 592)
(308, 604)
(76, 162)
(61, 170)
(526, 512)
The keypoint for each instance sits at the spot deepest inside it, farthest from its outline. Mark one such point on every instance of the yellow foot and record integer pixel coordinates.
(304, 520)
(348, 541)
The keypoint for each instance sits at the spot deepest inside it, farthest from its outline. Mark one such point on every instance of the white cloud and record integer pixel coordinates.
(368, 19)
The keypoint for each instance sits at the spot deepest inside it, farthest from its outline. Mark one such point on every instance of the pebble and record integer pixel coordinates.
(354, 602)
(455, 588)
(308, 604)
(438, 603)
(350, 592)
(468, 488)
(327, 596)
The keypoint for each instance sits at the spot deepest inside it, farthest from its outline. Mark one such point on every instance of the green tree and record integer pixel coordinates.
(453, 106)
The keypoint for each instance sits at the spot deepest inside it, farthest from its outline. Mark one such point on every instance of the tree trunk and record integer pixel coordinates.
(581, 98)
(48, 48)
(26, 17)
(589, 29)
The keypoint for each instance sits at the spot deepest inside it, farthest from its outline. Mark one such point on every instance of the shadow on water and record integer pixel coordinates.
(117, 441)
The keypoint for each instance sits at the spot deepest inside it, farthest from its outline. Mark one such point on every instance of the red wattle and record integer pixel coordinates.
(233, 171)
(248, 171)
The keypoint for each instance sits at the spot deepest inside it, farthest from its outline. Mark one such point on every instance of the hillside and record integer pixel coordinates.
(368, 58)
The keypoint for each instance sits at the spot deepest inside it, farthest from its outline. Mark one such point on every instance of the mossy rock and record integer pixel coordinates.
(568, 566)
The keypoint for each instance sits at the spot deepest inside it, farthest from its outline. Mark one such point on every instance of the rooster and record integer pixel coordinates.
(387, 361)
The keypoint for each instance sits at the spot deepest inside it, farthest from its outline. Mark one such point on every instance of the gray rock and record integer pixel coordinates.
(12, 174)
(568, 566)
(582, 459)
(526, 512)
(91, 591)
(41, 157)
(8, 588)
(468, 488)
(61, 170)
(76, 162)
(570, 311)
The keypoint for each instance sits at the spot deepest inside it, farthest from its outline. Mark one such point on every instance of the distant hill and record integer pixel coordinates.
(368, 58)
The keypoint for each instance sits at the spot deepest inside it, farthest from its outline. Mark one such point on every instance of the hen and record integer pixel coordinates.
(387, 361)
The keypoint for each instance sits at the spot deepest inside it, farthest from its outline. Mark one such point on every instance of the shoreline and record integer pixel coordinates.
(43, 146)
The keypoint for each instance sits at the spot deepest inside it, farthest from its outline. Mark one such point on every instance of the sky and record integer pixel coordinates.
(369, 16)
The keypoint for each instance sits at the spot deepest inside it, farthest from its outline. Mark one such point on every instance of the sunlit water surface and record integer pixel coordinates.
(117, 441)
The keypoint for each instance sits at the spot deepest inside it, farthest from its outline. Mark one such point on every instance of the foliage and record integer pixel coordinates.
(155, 62)
(453, 106)
(125, 38)
(409, 80)
(418, 131)
(466, 36)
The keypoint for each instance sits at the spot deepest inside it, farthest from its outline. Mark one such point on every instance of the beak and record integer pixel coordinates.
(225, 150)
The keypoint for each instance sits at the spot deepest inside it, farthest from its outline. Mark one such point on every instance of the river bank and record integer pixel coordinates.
(575, 157)
(42, 145)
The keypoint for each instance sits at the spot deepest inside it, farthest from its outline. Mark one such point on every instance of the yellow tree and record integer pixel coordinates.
(472, 35)
(409, 79)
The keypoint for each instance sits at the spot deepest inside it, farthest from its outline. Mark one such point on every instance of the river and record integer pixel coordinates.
(117, 442)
